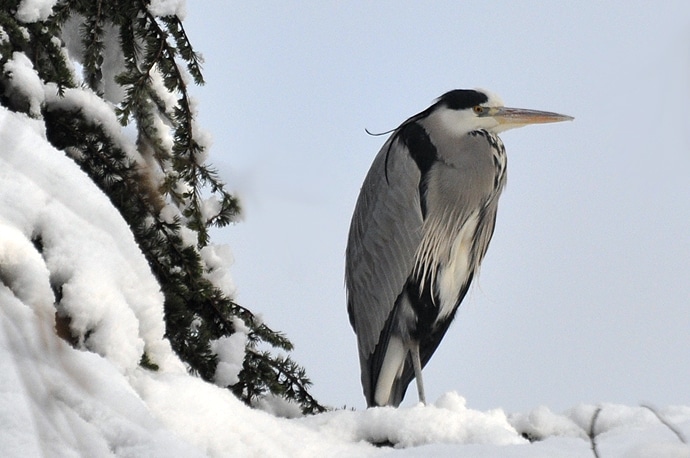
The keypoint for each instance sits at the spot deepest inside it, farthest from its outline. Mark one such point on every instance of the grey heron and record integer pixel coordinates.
(420, 229)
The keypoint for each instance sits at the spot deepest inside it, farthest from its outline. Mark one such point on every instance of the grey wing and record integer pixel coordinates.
(384, 235)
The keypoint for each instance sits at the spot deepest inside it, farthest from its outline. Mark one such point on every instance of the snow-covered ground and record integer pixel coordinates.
(57, 230)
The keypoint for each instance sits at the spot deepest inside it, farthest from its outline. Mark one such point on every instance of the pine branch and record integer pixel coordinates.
(40, 43)
(158, 53)
(193, 60)
(92, 40)
(279, 375)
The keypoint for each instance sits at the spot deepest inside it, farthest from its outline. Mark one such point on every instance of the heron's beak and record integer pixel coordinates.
(509, 118)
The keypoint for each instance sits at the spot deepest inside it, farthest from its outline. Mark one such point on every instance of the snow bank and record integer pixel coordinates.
(448, 420)
(59, 233)
(83, 248)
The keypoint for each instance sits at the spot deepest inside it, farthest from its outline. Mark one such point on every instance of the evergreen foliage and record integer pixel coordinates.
(137, 66)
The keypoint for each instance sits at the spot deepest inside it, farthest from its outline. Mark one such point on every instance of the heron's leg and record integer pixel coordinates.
(417, 366)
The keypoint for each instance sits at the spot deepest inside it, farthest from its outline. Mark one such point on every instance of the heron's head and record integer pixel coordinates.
(465, 110)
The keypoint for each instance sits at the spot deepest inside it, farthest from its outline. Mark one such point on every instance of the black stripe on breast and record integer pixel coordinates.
(422, 151)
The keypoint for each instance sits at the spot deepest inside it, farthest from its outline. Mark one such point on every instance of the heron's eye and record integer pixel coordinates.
(478, 109)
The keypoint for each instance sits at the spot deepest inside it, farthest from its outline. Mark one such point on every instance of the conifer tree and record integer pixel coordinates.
(109, 68)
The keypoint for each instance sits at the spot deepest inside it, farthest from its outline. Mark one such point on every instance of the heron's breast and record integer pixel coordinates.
(454, 275)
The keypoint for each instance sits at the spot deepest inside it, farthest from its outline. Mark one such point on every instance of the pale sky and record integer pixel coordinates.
(584, 295)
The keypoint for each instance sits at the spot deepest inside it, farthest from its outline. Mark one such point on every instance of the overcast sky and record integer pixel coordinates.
(584, 295)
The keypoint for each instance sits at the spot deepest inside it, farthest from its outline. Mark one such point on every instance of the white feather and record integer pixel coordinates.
(390, 369)
(454, 275)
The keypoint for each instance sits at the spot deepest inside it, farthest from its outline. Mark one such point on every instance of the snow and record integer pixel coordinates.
(25, 81)
(58, 229)
(210, 208)
(98, 111)
(218, 259)
(168, 8)
(230, 353)
(35, 10)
